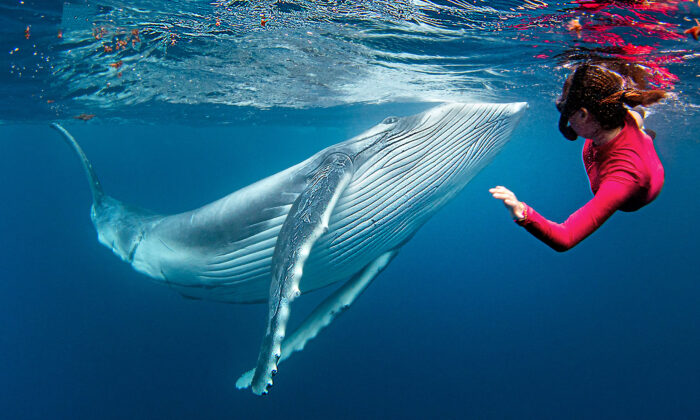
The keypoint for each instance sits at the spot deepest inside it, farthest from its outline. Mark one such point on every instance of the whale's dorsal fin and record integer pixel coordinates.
(306, 221)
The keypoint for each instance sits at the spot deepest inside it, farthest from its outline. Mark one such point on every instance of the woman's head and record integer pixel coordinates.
(604, 94)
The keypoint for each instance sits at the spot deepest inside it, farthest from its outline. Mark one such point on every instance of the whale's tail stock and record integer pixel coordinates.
(119, 226)
(95, 186)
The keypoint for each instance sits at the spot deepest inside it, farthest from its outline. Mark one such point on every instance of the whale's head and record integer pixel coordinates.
(437, 151)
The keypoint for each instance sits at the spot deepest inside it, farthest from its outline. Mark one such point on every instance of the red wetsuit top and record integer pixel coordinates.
(625, 174)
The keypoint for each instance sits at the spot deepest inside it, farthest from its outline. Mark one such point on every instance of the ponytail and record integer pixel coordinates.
(634, 97)
(643, 97)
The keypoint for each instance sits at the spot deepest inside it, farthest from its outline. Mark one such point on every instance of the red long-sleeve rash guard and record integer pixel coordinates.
(625, 174)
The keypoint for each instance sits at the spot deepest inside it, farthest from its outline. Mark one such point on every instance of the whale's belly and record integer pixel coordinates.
(243, 274)
(366, 222)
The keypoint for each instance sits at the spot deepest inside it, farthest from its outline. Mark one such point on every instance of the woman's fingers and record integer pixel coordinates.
(509, 200)
(501, 190)
(502, 196)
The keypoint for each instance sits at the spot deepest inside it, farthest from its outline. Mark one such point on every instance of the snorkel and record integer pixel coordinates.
(566, 130)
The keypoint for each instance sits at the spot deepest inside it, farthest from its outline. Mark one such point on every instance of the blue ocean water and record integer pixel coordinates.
(473, 319)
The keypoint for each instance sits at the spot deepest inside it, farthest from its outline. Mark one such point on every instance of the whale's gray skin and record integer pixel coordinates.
(340, 215)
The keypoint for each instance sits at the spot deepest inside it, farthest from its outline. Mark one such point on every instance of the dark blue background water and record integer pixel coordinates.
(474, 318)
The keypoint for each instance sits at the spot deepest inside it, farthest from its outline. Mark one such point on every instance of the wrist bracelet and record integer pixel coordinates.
(522, 219)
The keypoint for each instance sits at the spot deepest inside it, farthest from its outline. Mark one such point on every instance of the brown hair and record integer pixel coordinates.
(634, 97)
(605, 90)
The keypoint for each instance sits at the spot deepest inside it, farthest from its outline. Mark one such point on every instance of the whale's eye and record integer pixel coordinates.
(390, 120)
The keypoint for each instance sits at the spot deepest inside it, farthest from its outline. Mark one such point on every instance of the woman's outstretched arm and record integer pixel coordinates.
(584, 221)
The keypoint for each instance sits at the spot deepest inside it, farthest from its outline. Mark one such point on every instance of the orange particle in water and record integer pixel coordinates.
(694, 31)
(60, 34)
(218, 22)
(574, 26)
(108, 49)
(117, 64)
(173, 39)
(26, 32)
(84, 117)
(50, 101)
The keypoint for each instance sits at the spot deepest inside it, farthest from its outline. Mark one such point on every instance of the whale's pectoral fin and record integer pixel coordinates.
(306, 221)
(326, 312)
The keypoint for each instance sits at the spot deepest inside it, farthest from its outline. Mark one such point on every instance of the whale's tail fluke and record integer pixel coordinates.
(95, 187)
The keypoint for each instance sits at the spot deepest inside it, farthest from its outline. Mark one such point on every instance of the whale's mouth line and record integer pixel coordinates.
(417, 129)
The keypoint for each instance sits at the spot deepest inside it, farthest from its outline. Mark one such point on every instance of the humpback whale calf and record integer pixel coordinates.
(339, 216)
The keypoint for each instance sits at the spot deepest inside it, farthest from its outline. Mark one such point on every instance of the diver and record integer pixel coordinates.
(624, 170)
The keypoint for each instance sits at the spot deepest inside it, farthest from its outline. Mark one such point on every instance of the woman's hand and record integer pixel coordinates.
(516, 208)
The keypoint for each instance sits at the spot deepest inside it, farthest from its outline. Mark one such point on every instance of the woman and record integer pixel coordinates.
(623, 168)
